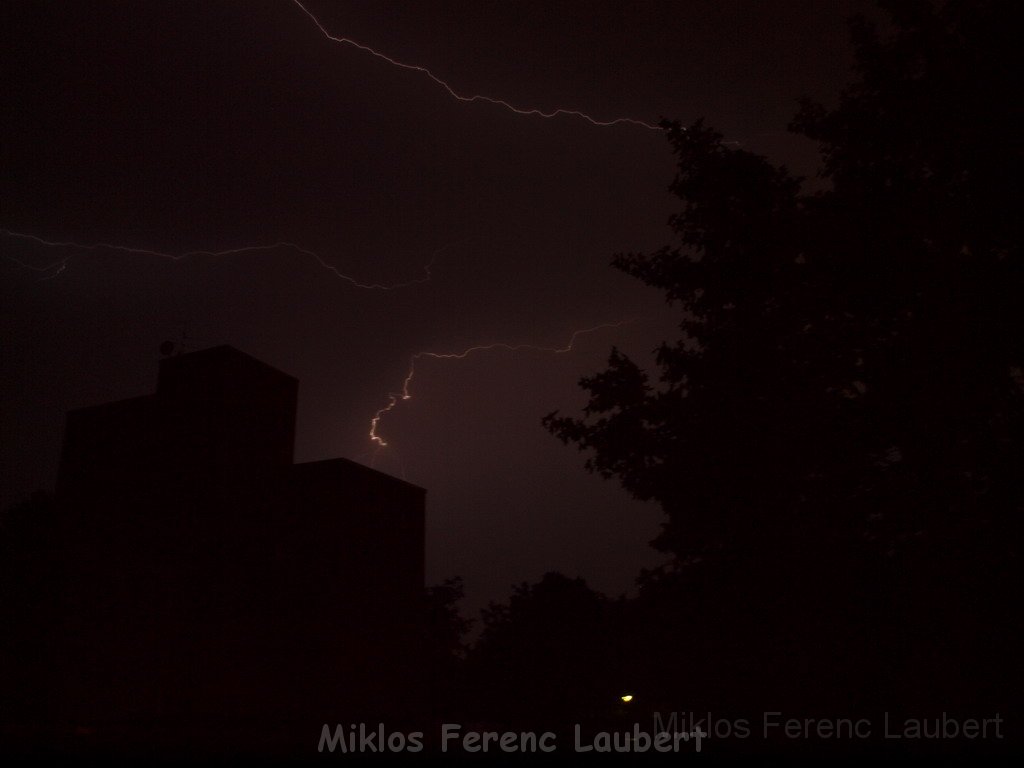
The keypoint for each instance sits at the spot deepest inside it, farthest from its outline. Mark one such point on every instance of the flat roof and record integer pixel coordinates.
(356, 467)
(223, 352)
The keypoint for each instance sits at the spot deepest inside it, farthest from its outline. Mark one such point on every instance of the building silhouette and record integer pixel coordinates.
(207, 579)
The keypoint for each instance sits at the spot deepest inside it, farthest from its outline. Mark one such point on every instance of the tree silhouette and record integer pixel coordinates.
(444, 647)
(547, 655)
(841, 422)
(446, 626)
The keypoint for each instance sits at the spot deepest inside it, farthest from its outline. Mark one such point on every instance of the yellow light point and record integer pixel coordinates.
(627, 698)
(404, 394)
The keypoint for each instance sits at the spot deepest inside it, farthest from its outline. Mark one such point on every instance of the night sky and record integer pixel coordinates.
(209, 126)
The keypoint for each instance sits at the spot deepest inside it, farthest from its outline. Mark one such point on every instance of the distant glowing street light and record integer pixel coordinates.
(627, 698)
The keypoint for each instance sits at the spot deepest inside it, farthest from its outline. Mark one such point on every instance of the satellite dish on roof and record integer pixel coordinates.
(167, 348)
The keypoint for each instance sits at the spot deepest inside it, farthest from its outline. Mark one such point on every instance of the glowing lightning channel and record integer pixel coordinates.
(60, 265)
(478, 97)
(394, 398)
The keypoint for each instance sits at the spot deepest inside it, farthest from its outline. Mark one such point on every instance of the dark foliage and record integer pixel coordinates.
(444, 647)
(837, 436)
(547, 655)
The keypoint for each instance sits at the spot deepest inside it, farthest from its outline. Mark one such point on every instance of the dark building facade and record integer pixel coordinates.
(207, 578)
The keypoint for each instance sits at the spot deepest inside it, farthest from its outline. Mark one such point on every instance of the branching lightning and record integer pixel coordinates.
(394, 398)
(476, 97)
(53, 269)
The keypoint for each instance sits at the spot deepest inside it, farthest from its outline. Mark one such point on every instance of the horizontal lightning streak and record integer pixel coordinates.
(477, 97)
(61, 264)
(395, 397)
(57, 266)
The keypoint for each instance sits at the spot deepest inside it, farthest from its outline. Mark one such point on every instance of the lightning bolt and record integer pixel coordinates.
(60, 265)
(477, 97)
(394, 398)
(57, 267)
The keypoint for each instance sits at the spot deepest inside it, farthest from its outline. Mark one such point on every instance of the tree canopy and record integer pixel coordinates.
(836, 437)
(850, 360)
